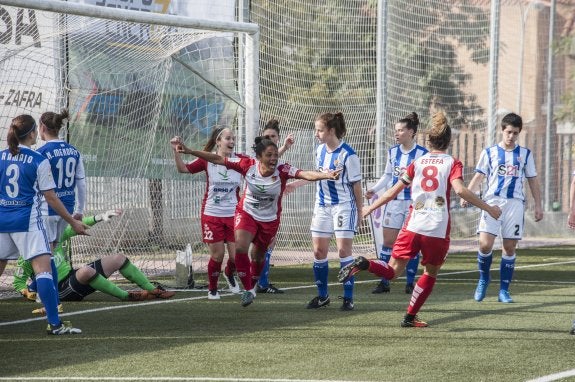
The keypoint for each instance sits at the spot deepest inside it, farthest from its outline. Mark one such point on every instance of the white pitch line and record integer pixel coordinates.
(230, 294)
(197, 379)
(554, 377)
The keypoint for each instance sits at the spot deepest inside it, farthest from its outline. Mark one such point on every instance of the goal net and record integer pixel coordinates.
(130, 86)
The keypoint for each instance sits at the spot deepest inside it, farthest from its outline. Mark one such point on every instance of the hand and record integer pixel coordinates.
(106, 216)
(177, 143)
(571, 220)
(538, 214)
(365, 211)
(334, 174)
(494, 211)
(78, 216)
(464, 203)
(80, 228)
(29, 295)
(369, 194)
(288, 141)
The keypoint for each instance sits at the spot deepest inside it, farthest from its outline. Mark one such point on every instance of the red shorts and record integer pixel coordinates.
(408, 244)
(263, 232)
(216, 229)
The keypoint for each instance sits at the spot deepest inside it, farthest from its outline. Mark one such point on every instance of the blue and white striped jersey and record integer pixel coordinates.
(397, 162)
(67, 167)
(22, 178)
(506, 171)
(332, 192)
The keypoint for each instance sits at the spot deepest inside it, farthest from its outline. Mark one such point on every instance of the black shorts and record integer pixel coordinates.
(70, 288)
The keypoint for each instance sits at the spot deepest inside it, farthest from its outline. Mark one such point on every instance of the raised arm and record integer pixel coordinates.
(288, 142)
(210, 157)
(176, 143)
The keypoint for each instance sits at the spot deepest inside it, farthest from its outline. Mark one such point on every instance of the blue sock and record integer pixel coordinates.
(320, 272)
(385, 255)
(264, 281)
(348, 285)
(484, 265)
(411, 269)
(55, 278)
(49, 297)
(506, 271)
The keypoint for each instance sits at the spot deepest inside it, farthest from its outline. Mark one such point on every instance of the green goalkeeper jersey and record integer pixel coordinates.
(24, 270)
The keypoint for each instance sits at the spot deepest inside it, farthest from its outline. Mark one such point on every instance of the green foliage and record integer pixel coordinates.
(566, 112)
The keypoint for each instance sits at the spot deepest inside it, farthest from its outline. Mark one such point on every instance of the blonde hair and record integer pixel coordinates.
(439, 134)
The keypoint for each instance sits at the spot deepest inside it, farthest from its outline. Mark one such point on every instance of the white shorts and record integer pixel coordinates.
(340, 219)
(55, 227)
(27, 244)
(511, 222)
(395, 213)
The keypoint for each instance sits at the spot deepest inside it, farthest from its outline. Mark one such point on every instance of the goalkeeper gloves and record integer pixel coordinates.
(106, 216)
(28, 294)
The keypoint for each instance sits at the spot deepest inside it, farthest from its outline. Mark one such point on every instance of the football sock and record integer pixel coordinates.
(243, 269)
(484, 264)
(256, 270)
(55, 278)
(385, 254)
(411, 269)
(320, 273)
(132, 273)
(102, 284)
(48, 296)
(381, 269)
(348, 285)
(264, 281)
(506, 271)
(230, 268)
(421, 291)
(214, 270)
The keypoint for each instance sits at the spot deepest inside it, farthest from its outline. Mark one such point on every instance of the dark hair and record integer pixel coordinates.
(20, 128)
(216, 134)
(513, 120)
(54, 121)
(411, 121)
(334, 121)
(261, 144)
(440, 132)
(273, 124)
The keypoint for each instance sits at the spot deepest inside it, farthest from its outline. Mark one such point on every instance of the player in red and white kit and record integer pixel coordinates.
(218, 206)
(258, 213)
(427, 227)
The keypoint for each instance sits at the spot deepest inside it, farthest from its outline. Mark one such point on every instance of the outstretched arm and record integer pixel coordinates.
(288, 142)
(318, 175)
(56, 204)
(387, 196)
(465, 193)
(210, 157)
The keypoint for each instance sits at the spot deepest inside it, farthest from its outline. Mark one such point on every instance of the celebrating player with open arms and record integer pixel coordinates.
(428, 225)
(218, 206)
(506, 166)
(257, 217)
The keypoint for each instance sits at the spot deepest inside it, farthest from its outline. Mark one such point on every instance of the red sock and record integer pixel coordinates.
(256, 269)
(214, 270)
(230, 267)
(243, 268)
(381, 268)
(420, 293)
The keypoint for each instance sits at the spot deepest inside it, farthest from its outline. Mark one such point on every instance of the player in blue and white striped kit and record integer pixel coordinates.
(398, 158)
(25, 177)
(67, 170)
(506, 166)
(337, 205)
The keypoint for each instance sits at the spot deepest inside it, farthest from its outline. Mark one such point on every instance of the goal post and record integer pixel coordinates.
(131, 80)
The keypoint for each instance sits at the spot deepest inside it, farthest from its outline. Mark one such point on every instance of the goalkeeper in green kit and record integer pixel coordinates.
(75, 284)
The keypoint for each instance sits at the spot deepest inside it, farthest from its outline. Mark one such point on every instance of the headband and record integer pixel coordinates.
(21, 136)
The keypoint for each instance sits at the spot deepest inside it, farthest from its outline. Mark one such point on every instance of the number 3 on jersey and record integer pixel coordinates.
(429, 182)
(13, 173)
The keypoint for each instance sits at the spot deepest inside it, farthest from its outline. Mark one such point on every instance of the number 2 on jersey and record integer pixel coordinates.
(429, 182)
